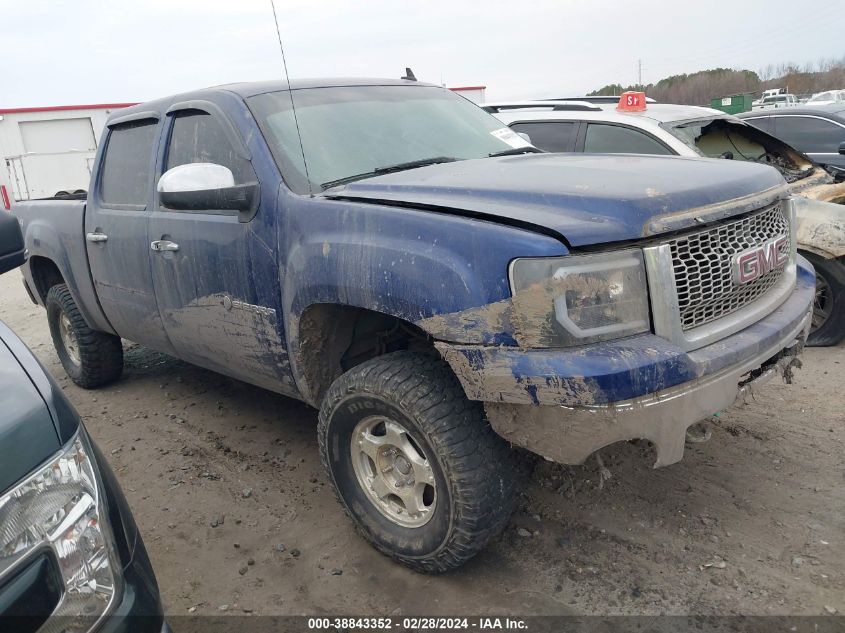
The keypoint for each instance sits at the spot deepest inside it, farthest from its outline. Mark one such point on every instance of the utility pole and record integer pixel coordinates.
(640, 72)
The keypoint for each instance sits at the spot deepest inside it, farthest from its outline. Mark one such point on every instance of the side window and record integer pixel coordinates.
(809, 134)
(198, 137)
(552, 136)
(615, 139)
(126, 173)
(762, 123)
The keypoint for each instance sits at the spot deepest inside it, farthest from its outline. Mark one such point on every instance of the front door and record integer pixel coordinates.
(116, 233)
(203, 268)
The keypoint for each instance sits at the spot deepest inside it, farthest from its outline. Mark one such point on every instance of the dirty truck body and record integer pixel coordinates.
(414, 287)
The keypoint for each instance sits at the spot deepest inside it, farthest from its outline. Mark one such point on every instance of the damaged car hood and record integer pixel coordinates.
(584, 198)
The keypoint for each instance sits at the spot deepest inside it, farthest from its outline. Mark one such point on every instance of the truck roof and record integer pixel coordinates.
(252, 88)
(248, 89)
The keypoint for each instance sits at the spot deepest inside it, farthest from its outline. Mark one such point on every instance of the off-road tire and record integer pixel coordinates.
(830, 272)
(100, 354)
(473, 467)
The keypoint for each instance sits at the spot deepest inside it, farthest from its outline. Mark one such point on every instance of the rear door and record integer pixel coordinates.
(116, 231)
(203, 279)
(551, 136)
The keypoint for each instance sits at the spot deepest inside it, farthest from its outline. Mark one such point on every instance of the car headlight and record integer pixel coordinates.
(564, 301)
(60, 507)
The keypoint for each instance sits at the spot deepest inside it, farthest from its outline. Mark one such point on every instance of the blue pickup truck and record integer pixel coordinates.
(440, 289)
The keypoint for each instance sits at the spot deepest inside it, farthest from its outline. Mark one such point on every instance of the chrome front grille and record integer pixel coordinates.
(702, 266)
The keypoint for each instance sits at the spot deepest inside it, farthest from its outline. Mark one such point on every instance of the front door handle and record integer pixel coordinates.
(97, 237)
(164, 246)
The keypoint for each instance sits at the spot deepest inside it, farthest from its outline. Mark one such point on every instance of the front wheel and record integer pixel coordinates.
(414, 462)
(828, 327)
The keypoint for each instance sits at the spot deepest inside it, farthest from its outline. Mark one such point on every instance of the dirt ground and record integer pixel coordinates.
(225, 483)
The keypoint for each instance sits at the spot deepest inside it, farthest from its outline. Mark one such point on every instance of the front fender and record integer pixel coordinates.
(407, 263)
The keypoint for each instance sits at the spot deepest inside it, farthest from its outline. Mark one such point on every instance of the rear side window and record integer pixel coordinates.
(198, 137)
(762, 123)
(552, 136)
(810, 134)
(127, 164)
(615, 139)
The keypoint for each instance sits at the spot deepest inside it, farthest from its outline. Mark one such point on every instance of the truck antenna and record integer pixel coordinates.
(290, 92)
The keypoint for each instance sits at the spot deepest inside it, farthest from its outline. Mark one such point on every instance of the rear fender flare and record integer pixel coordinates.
(71, 259)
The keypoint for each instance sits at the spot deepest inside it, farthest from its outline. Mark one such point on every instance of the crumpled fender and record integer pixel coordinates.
(820, 226)
(820, 186)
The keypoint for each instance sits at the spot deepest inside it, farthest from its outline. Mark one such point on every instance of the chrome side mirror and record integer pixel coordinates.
(207, 187)
(196, 177)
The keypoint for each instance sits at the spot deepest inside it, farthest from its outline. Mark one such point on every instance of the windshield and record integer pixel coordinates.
(358, 131)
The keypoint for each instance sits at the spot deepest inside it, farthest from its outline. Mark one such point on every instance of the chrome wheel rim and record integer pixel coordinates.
(821, 304)
(393, 471)
(69, 341)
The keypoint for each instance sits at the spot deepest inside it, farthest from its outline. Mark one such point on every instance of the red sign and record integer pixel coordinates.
(5, 194)
(631, 102)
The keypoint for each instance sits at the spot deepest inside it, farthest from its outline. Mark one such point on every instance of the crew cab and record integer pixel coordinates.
(679, 130)
(440, 289)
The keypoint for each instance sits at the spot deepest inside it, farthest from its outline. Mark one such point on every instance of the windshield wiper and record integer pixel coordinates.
(389, 169)
(414, 164)
(513, 151)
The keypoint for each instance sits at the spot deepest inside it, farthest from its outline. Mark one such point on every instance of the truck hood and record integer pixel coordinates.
(585, 198)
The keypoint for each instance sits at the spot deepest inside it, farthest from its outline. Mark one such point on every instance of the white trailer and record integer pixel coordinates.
(473, 93)
(50, 150)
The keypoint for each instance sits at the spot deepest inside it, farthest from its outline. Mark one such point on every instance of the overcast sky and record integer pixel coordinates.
(87, 51)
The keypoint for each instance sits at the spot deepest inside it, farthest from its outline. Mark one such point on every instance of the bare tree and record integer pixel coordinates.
(700, 87)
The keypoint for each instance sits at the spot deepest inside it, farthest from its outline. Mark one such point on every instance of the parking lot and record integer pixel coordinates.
(226, 485)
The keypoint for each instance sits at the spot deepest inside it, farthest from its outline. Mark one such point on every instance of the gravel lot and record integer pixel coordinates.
(226, 485)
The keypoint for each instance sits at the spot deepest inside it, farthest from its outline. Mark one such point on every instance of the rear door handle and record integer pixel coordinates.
(97, 238)
(164, 246)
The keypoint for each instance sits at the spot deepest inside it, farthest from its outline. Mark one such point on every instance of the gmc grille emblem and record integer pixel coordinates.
(756, 262)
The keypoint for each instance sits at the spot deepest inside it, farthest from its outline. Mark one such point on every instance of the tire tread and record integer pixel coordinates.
(101, 354)
(477, 463)
(833, 330)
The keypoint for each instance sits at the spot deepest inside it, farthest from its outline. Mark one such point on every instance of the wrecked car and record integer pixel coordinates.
(678, 130)
(439, 289)
(818, 131)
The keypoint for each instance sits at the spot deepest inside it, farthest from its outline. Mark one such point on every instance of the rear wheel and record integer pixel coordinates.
(90, 358)
(414, 462)
(828, 327)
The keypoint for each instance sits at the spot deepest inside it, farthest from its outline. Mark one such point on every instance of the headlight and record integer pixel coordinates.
(60, 507)
(579, 299)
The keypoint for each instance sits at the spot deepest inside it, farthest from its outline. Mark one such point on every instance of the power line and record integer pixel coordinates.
(756, 42)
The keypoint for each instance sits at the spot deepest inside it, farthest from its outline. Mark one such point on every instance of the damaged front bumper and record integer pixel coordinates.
(565, 404)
